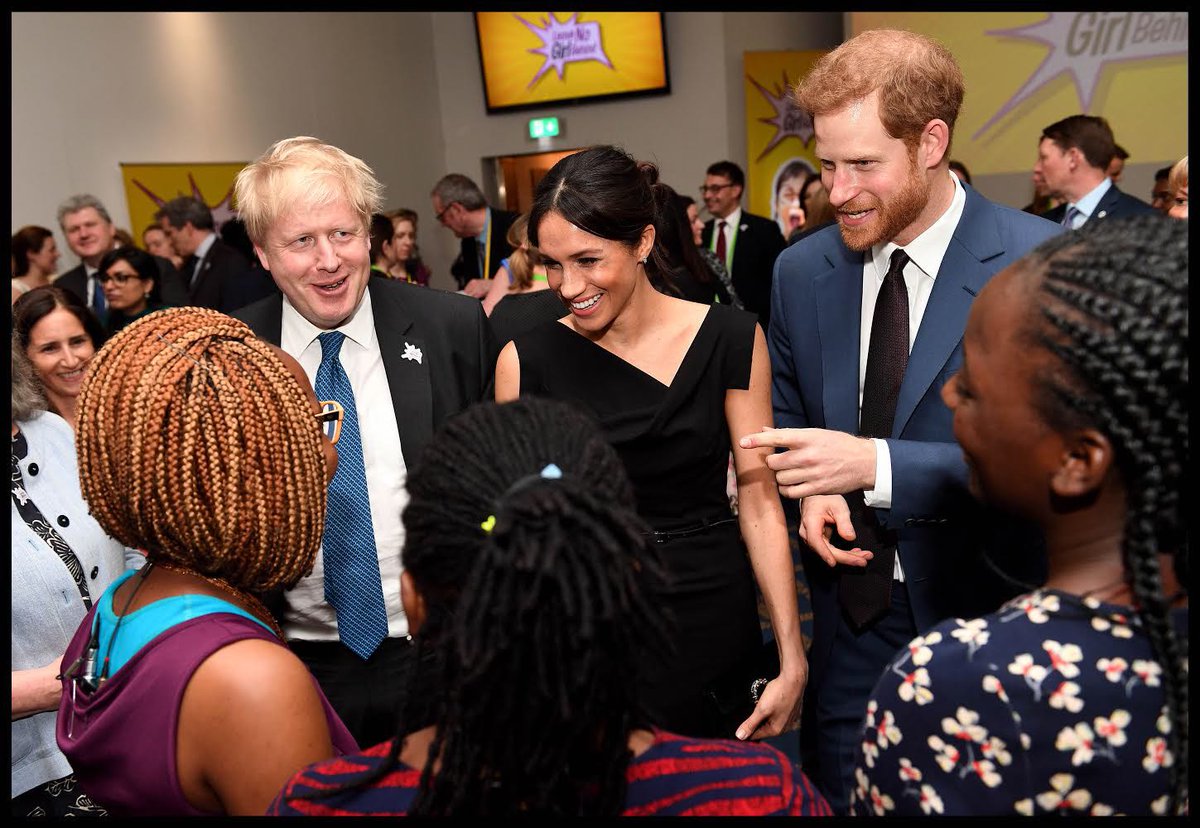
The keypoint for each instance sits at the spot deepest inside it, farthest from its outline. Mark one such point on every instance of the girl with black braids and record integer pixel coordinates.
(530, 610)
(1072, 412)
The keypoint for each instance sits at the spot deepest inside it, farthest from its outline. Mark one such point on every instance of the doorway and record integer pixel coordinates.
(517, 176)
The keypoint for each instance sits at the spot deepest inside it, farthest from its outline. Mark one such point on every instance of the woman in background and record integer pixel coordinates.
(156, 243)
(526, 583)
(129, 278)
(1071, 408)
(1177, 185)
(61, 562)
(519, 300)
(60, 336)
(402, 249)
(35, 259)
(715, 266)
(180, 696)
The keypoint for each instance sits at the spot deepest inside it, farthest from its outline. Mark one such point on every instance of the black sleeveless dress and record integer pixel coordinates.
(674, 441)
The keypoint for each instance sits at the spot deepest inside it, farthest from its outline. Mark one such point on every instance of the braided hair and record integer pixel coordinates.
(1114, 313)
(535, 619)
(197, 445)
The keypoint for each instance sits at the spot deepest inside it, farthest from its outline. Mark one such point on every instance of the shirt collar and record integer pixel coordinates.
(297, 334)
(203, 247)
(734, 219)
(927, 250)
(487, 223)
(1088, 203)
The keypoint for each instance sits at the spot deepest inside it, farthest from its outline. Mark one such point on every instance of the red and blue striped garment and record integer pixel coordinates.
(677, 776)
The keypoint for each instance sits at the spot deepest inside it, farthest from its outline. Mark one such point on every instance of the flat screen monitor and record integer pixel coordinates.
(530, 59)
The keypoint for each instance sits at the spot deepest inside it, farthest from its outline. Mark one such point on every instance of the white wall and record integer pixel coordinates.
(400, 90)
(92, 90)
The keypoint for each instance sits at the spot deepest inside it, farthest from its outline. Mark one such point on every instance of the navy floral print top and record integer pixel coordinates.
(1052, 704)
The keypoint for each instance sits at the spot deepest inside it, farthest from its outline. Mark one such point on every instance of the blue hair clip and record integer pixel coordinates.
(551, 472)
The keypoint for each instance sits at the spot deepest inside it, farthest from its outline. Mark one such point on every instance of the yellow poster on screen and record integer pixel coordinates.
(149, 186)
(779, 137)
(1026, 70)
(534, 57)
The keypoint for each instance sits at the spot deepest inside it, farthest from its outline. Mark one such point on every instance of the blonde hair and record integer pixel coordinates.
(303, 169)
(918, 80)
(197, 445)
(1178, 177)
(522, 260)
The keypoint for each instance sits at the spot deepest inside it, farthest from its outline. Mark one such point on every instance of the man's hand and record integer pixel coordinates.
(819, 516)
(477, 288)
(818, 461)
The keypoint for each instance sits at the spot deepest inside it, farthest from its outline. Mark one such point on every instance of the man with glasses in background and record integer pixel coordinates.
(459, 205)
(746, 243)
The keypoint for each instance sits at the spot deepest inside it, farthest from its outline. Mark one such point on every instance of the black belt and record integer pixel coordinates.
(687, 531)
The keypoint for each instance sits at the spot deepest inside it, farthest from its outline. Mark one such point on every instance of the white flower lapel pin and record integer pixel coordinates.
(411, 352)
(744, 227)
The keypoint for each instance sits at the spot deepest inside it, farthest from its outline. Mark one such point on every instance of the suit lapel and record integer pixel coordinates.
(408, 379)
(960, 278)
(1107, 202)
(839, 303)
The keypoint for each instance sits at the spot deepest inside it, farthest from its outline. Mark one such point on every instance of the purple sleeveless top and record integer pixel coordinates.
(121, 740)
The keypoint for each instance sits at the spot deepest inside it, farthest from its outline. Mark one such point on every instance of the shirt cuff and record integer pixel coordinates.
(881, 496)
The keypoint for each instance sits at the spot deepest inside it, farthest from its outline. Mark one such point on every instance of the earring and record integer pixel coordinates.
(146, 295)
(642, 261)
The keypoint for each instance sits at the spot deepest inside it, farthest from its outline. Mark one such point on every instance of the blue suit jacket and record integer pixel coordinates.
(814, 344)
(1113, 204)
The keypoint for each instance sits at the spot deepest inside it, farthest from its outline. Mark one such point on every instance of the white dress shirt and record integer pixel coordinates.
(925, 254)
(308, 616)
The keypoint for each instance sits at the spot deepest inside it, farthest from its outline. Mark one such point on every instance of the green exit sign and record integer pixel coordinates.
(543, 128)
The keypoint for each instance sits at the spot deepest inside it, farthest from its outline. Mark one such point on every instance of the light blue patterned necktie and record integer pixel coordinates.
(352, 583)
(1069, 218)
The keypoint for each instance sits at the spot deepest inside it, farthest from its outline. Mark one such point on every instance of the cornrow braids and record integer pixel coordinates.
(1114, 311)
(535, 622)
(197, 444)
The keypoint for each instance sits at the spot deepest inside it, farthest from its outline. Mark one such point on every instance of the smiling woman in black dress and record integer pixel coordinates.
(669, 382)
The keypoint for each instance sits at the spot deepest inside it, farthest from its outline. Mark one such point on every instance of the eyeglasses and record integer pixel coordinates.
(330, 419)
(119, 278)
(445, 210)
(707, 189)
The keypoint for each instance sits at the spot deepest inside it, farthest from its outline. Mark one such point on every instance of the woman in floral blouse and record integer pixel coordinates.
(1071, 410)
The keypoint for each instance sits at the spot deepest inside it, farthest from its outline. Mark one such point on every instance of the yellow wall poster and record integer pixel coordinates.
(149, 186)
(779, 137)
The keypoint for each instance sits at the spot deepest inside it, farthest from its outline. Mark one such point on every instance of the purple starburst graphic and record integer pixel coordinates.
(1083, 43)
(789, 119)
(222, 211)
(563, 43)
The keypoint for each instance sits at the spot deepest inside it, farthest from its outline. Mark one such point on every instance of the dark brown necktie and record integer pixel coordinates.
(866, 592)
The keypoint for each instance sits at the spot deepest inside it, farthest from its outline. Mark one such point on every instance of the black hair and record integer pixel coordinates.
(1159, 175)
(730, 170)
(675, 251)
(1113, 301)
(233, 233)
(380, 231)
(142, 262)
(962, 168)
(30, 308)
(604, 191)
(537, 591)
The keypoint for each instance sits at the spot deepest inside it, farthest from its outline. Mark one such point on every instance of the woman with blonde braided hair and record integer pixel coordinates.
(1071, 408)
(203, 446)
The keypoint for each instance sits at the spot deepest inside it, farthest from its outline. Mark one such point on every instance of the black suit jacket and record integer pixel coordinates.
(758, 244)
(466, 266)
(1113, 204)
(221, 264)
(458, 353)
(172, 288)
(458, 360)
